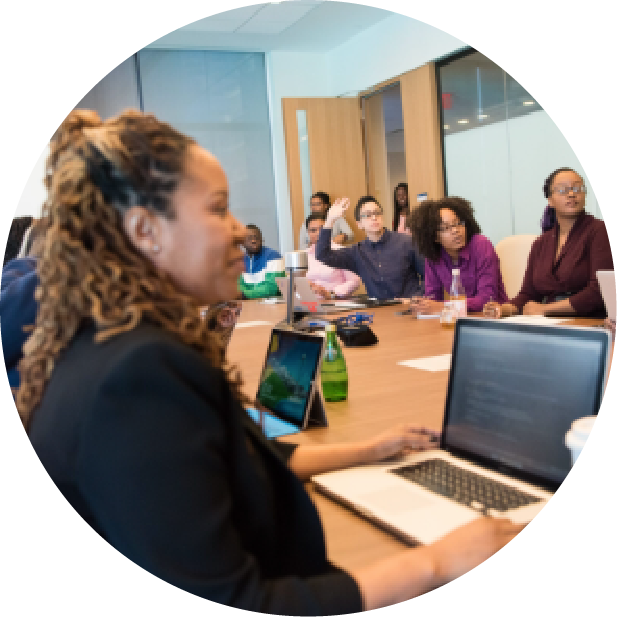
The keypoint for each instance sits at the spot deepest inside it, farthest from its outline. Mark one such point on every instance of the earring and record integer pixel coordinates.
(156, 248)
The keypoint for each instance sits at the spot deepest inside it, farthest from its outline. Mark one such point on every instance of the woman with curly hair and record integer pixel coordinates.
(135, 413)
(448, 235)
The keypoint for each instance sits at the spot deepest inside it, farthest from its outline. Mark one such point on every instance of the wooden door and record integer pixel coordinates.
(337, 162)
(421, 123)
(377, 155)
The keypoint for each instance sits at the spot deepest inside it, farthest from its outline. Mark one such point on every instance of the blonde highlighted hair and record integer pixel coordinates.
(89, 270)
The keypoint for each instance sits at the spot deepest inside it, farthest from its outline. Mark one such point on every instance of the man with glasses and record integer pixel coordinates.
(387, 262)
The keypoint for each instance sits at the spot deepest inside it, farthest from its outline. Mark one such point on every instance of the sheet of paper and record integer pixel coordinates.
(429, 315)
(431, 363)
(536, 320)
(251, 324)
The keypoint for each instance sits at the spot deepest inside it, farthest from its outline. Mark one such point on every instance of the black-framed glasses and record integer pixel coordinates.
(446, 229)
(373, 214)
(565, 190)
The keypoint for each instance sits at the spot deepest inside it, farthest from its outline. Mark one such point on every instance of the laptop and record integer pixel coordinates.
(513, 391)
(606, 279)
(288, 386)
(307, 300)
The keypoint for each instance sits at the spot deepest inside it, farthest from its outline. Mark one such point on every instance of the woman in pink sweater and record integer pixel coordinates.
(325, 281)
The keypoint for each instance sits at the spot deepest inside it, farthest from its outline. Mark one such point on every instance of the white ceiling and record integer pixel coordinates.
(294, 25)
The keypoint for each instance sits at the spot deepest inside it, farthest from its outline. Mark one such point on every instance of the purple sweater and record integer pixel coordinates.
(480, 274)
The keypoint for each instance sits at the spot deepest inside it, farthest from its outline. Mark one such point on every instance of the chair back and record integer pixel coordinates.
(513, 253)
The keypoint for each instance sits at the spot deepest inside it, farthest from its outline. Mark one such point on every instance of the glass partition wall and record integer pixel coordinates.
(219, 99)
(499, 146)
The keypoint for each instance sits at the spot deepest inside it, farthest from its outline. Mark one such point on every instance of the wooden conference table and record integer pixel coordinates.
(382, 394)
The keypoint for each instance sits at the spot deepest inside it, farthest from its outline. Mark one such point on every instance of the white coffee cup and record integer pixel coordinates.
(577, 435)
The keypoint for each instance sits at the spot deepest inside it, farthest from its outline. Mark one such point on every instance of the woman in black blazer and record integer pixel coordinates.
(137, 417)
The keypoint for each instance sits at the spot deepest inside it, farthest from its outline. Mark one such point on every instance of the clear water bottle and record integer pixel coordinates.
(334, 381)
(458, 300)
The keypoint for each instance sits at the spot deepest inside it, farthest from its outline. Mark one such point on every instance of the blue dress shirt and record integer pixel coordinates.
(389, 268)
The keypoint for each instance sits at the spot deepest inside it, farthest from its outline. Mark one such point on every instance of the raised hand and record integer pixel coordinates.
(337, 209)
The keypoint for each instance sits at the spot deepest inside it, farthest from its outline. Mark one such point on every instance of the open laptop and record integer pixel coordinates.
(606, 279)
(307, 300)
(288, 385)
(513, 392)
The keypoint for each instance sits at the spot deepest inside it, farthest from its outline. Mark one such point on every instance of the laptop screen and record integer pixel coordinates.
(286, 380)
(515, 390)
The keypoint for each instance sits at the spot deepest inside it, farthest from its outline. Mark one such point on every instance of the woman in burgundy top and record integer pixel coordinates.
(563, 261)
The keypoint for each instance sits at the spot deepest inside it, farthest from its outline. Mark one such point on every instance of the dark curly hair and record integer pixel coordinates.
(425, 220)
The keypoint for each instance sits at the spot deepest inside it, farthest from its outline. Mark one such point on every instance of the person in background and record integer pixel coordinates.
(401, 208)
(325, 281)
(130, 405)
(18, 305)
(387, 262)
(17, 311)
(320, 204)
(449, 236)
(19, 228)
(260, 272)
(561, 270)
(257, 255)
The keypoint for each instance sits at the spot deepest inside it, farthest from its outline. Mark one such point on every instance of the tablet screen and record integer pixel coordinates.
(290, 369)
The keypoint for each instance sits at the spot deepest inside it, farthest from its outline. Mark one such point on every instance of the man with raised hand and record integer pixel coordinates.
(387, 262)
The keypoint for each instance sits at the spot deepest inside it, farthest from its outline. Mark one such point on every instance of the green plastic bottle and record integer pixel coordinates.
(334, 381)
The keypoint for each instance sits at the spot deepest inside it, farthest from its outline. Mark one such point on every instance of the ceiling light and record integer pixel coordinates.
(482, 116)
(463, 121)
(529, 103)
(446, 126)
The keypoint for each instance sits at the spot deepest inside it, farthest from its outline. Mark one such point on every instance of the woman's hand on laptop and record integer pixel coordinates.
(400, 440)
(467, 547)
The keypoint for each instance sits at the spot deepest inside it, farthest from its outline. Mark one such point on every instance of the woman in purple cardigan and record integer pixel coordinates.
(448, 235)
(561, 271)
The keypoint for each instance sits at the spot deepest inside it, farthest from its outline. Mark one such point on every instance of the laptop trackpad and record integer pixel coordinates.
(394, 501)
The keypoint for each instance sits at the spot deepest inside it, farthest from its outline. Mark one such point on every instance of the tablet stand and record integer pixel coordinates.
(317, 411)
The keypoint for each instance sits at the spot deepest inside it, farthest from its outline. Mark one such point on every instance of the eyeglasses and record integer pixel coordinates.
(565, 190)
(373, 214)
(446, 229)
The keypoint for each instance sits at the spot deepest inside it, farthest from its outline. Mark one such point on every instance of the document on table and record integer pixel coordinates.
(431, 363)
(537, 320)
(251, 324)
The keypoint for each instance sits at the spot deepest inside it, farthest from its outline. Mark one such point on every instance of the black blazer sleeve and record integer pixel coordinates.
(157, 466)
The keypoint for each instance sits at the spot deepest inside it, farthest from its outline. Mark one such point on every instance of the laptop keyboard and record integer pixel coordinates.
(465, 487)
